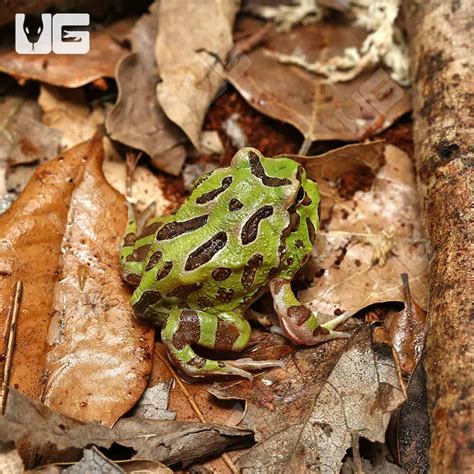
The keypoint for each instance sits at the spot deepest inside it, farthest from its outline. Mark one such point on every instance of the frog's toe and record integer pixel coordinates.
(250, 364)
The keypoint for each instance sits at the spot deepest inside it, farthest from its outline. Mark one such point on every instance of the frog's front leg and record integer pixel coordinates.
(226, 332)
(299, 323)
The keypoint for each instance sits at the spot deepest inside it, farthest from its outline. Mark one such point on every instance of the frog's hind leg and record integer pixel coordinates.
(227, 332)
(298, 322)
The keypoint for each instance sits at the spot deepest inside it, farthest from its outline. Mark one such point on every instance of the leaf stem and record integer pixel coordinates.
(11, 334)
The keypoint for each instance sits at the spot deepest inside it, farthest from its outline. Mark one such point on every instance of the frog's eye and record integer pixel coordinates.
(300, 195)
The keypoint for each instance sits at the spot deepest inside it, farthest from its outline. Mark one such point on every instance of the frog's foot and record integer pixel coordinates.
(298, 322)
(225, 332)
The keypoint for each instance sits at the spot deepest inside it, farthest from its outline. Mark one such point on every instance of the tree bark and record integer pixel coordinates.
(440, 52)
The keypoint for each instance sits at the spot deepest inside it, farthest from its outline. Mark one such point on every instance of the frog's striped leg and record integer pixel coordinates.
(299, 323)
(226, 332)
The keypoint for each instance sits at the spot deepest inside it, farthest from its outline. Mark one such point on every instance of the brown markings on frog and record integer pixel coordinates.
(250, 228)
(150, 229)
(250, 270)
(235, 205)
(189, 329)
(147, 299)
(129, 239)
(153, 260)
(164, 271)
(206, 251)
(139, 254)
(311, 230)
(258, 170)
(183, 291)
(307, 200)
(198, 362)
(299, 243)
(174, 229)
(221, 273)
(225, 296)
(210, 195)
(226, 335)
(299, 314)
(320, 331)
(132, 279)
(205, 302)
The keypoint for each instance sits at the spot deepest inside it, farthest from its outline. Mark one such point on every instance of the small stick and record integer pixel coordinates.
(131, 162)
(196, 409)
(11, 331)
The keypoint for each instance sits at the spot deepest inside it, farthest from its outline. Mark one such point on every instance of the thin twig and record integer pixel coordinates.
(131, 162)
(11, 331)
(196, 409)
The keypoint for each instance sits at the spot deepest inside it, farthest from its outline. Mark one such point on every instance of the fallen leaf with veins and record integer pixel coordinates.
(321, 111)
(68, 70)
(190, 57)
(368, 211)
(137, 119)
(77, 344)
(307, 413)
(52, 437)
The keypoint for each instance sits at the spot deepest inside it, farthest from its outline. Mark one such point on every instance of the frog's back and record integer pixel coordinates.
(224, 241)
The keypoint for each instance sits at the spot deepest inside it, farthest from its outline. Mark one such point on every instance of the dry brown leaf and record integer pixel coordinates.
(407, 329)
(137, 118)
(96, 346)
(154, 403)
(307, 413)
(371, 230)
(23, 138)
(54, 437)
(193, 41)
(61, 239)
(321, 111)
(70, 70)
(146, 187)
(67, 110)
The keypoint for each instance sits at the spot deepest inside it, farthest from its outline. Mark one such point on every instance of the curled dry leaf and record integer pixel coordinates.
(23, 137)
(193, 41)
(77, 343)
(24, 140)
(307, 414)
(407, 329)
(54, 437)
(371, 229)
(137, 118)
(68, 70)
(321, 111)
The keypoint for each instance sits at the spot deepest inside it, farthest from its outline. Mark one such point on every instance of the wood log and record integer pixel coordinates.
(440, 38)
